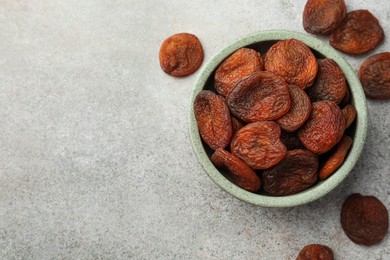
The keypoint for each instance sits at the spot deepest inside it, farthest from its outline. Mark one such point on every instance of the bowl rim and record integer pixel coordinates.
(323, 187)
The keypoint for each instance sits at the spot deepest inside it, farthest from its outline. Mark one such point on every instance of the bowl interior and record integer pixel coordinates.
(262, 41)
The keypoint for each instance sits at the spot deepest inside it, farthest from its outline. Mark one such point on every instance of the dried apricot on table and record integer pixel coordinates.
(299, 111)
(296, 172)
(237, 171)
(293, 61)
(323, 16)
(330, 83)
(258, 145)
(360, 32)
(337, 158)
(241, 63)
(260, 96)
(315, 252)
(181, 54)
(365, 220)
(349, 113)
(213, 119)
(324, 128)
(374, 74)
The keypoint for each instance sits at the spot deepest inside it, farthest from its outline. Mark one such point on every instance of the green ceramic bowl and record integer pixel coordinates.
(261, 41)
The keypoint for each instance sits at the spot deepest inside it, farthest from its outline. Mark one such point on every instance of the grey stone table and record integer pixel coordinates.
(95, 157)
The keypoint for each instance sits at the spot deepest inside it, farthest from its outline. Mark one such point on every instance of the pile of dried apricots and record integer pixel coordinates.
(278, 122)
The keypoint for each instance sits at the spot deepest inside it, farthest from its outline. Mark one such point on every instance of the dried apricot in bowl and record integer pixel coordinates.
(360, 32)
(296, 172)
(365, 220)
(241, 63)
(260, 96)
(315, 252)
(213, 119)
(374, 73)
(293, 61)
(181, 54)
(323, 16)
(324, 128)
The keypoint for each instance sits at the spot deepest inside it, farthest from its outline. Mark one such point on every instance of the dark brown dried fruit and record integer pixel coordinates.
(299, 111)
(347, 98)
(213, 119)
(293, 61)
(323, 16)
(315, 252)
(365, 219)
(296, 172)
(181, 54)
(330, 82)
(260, 96)
(240, 64)
(238, 172)
(324, 128)
(360, 32)
(337, 158)
(291, 140)
(349, 113)
(374, 73)
(258, 145)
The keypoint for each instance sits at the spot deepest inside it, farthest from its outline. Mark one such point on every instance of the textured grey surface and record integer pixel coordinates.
(95, 157)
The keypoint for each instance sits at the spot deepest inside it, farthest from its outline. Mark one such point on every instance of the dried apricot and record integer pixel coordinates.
(293, 61)
(330, 83)
(296, 172)
(347, 98)
(299, 111)
(324, 128)
(315, 252)
(323, 16)
(374, 73)
(291, 140)
(260, 96)
(213, 119)
(181, 54)
(360, 32)
(337, 158)
(258, 144)
(240, 64)
(365, 219)
(238, 172)
(349, 113)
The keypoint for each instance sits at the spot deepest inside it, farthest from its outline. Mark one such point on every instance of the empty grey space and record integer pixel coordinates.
(95, 156)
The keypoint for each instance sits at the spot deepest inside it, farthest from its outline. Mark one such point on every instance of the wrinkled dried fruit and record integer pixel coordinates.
(296, 172)
(337, 158)
(291, 140)
(330, 82)
(213, 119)
(374, 73)
(260, 96)
(181, 54)
(358, 33)
(299, 111)
(323, 16)
(258, 145)
(293, 61)
(315, 252)
(240, 64)
(324, 128)
(365, 219)
(349, 113)
(238, 172)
